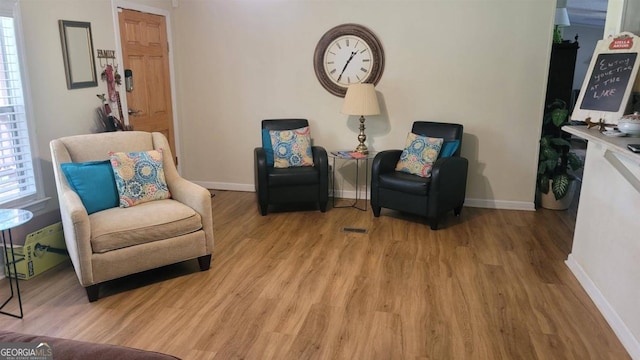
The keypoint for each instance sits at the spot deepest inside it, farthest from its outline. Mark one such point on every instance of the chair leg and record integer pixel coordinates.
(92, 292)
(434, 223)
(376, 210)
(204, 262)
(263, 209)
(457, 210)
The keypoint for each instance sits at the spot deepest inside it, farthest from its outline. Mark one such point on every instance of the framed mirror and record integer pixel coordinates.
(77, 52)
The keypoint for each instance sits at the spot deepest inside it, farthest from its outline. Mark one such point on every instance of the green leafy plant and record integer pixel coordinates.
(556, 158)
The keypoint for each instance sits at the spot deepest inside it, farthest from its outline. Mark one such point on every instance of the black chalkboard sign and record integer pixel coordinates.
(608, 82)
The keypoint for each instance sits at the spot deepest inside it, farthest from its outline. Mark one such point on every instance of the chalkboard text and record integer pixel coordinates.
(608, 82)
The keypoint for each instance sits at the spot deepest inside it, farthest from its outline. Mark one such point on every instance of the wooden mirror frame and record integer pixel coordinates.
(77, 53)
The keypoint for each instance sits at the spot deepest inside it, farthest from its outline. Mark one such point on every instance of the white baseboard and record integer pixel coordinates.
(500, 204)
(351, 194)
(212, 185)
(611, 316)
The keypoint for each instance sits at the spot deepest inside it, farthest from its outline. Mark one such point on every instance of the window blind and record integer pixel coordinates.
(17, 178)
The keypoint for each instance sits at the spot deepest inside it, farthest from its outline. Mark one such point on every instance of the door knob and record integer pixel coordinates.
(133, 111)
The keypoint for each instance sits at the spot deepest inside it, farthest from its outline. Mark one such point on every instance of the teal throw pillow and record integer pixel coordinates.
(266, 145)
(291, 148)
(449, 148)
(94, 182)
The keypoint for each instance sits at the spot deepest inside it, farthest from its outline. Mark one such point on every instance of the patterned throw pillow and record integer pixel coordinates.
(419, 154)
(139, 177)
(291, 147)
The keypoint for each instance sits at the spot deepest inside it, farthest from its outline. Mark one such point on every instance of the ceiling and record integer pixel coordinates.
(587, 12)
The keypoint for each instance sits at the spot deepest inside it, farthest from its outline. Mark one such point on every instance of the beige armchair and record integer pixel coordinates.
(115, 242)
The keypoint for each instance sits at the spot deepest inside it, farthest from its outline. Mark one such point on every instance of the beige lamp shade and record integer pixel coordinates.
(361, 99)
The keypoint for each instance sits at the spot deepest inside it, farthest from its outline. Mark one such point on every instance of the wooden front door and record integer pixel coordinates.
(145, 52)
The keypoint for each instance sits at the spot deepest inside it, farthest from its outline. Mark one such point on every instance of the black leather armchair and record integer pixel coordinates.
(430, 197)
(295, 184)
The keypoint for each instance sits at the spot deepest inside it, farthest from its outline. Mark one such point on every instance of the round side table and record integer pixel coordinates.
(9, 219)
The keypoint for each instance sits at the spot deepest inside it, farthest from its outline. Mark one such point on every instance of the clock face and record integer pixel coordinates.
(348, 60)
(348, 54)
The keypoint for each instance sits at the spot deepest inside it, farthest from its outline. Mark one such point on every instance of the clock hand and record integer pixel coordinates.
(345, 65)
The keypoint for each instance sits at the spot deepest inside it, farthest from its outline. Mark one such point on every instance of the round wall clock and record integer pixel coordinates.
(348, 54)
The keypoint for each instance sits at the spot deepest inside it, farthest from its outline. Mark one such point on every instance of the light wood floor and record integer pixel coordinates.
(492, 284)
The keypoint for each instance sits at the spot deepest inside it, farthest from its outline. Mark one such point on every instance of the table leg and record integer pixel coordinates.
(357, 187)
(366, 182)
(7, 234)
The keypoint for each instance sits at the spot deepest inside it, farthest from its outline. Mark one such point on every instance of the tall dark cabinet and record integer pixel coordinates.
(561, 69)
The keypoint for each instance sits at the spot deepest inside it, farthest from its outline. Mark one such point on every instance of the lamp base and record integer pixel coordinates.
(362, 148)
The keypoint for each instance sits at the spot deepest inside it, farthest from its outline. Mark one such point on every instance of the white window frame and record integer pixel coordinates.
(35, 201)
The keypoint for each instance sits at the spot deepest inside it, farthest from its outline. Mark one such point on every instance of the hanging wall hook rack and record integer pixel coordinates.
(106, 55)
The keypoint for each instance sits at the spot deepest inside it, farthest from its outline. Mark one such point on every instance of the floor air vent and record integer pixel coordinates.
(355, 230)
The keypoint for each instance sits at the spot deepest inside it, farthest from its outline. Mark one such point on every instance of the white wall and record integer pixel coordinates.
(480, 63)
(58, 111)
(605, 251)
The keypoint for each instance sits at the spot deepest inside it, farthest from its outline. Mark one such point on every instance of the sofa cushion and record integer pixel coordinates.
(117, 228)
(94, 183)
(406, 183)
(303, 175)
(291, 148)
(419, 154)
(139, 176)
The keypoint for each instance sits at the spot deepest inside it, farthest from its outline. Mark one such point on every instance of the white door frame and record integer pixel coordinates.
(124, 4)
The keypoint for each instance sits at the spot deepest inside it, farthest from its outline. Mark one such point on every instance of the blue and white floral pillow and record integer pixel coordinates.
(419, 154)
(139, 177)
(291, 147)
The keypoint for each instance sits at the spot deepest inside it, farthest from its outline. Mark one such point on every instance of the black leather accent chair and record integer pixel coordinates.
(430, 197)
(294, 184)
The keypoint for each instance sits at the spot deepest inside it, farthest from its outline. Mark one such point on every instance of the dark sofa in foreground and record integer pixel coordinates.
(64, 349)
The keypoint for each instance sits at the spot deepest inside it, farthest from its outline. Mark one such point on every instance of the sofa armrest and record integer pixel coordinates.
(260, 168)
(261, 176)
(191, 194)
(321, 162)
(199, 199)
(320, 159)
(448, 183)
(77, 234)
(385, 162)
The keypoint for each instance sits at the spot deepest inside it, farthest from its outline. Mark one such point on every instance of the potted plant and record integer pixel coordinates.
(556, 159)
